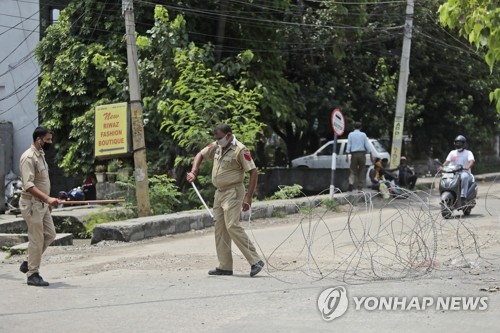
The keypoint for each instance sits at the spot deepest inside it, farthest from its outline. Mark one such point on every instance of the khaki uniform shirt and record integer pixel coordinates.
(230, 165)
(34, 171)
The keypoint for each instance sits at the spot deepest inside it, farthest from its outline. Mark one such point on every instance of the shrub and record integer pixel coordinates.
(332, 205)
(288, 192)
(163, 194)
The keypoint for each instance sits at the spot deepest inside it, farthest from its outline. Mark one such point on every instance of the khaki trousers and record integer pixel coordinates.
(357, 175)
(41, 231)
(227, 208)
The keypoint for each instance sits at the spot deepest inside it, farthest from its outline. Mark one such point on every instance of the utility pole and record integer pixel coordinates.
(399, 119)
(221, 30)
(139, 145)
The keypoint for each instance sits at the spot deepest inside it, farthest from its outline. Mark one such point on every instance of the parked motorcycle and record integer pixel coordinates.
(13, 189)
(75, 194)
(449, 190)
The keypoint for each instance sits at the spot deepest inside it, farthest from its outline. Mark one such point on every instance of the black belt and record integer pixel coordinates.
(361, 151)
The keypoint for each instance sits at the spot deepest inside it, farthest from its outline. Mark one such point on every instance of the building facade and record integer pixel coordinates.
(19, 73)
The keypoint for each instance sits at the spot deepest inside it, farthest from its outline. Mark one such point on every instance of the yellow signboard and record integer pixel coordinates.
(111, 130)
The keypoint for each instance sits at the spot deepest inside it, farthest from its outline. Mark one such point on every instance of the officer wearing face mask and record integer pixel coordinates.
(36, 204)
(465, 158)
(231, 160)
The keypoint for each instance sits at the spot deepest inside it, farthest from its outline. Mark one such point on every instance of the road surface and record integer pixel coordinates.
(374, 249)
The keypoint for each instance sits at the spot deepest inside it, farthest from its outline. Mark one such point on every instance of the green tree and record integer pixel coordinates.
(285, 62)
(84, 66)
(202, 99)
(478, 21)
(81, 68)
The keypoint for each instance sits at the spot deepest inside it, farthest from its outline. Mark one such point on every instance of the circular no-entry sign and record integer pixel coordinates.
(338, 122)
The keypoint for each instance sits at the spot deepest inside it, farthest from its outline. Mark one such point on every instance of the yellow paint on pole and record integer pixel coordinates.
(397, 139)
(111, 130)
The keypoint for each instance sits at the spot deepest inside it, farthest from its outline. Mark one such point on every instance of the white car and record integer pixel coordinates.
(322, 158)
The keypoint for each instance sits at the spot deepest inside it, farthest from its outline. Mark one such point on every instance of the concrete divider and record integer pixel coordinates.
(61, 240)
(13, 225)
(9, 240)
(160, 225)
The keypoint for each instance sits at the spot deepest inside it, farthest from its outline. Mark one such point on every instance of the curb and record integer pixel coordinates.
(161, 225)
(60, 240)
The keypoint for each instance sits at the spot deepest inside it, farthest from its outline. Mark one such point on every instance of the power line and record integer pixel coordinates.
(19, 100)
(238, 19)
(19, 45)
(21, 61)
(20, 22)
(14, 28)
(20, 88)
(29, 123)
(21, 17)
(357, 3)
(214, 15)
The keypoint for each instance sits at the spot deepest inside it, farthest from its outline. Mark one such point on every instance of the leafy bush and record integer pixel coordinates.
(114, 165)
(332, 205)
(163, 194)
(287, 192)
(279, 213)
(306, 210)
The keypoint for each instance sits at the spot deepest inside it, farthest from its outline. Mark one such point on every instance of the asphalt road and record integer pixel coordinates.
(400, 249)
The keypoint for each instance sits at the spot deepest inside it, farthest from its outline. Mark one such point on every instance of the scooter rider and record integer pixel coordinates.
(465, 158)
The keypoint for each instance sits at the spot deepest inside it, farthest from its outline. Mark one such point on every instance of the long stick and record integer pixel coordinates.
(201, 198)
(89, 202)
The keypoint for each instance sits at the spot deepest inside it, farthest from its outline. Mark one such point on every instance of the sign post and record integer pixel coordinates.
(338, 126)
(111, 130)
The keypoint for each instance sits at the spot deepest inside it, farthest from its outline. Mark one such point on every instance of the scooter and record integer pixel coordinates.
(76, 194)
(449, 190)
(13, 189)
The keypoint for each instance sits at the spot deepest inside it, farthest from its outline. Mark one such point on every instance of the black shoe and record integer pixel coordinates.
(255, 269)
(24, 267)
(350, 188)
(463, 201)
(218, 271)
(37, 281)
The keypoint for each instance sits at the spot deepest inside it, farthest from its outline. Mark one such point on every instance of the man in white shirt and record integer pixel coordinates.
(465, 158)
(357, 147)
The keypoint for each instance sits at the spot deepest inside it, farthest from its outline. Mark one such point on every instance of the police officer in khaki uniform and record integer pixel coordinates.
(231, 160)
(36, 204)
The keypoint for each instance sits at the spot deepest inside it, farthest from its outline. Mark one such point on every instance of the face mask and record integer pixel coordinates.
(223, 141)
(45, 145)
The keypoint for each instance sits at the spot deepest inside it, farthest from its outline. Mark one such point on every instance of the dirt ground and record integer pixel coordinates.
(461, 245)
(373, 248)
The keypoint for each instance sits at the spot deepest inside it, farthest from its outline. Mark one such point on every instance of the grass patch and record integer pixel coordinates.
(306, 210)
(331, 205)
(279, 213)
(69, 226)
(11, 252)
(94, 219)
